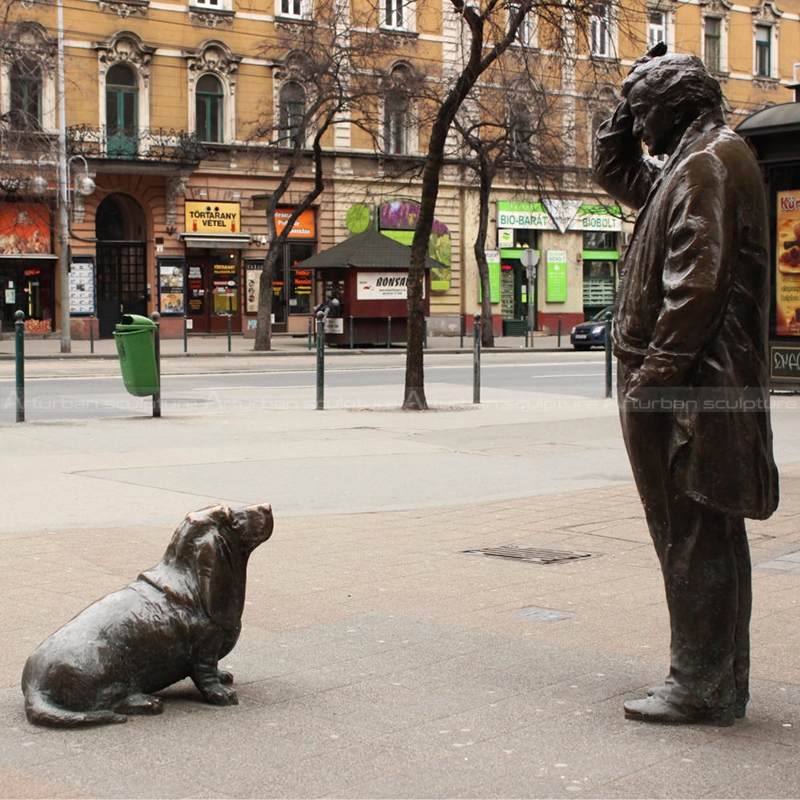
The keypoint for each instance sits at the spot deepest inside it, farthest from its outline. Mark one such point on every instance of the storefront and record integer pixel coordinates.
(775, 133)
(27, 266)
(554, 229)
(292, 288)
(207, 284)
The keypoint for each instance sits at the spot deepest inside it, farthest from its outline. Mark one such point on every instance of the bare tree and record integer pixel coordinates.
(489, 38)
(327, 77)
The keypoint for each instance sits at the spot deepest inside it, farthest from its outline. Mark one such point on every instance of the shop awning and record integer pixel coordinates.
(368, 250)
(235, 241)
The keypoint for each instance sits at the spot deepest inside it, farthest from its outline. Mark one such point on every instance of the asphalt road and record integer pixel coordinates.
(363, 382)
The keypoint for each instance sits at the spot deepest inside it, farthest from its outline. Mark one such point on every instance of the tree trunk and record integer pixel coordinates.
(263, 339)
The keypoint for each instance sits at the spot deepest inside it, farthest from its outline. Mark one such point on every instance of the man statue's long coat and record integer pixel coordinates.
(691, 323)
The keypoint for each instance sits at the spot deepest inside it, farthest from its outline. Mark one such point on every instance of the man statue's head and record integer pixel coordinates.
(666, 94)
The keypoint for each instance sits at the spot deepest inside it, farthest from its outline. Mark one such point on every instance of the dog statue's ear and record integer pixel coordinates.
(221, 593)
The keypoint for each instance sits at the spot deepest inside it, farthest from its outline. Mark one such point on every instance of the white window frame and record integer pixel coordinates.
(293, 9)
(528, 32)
(279, 115)
(602, 31)
(656, 32)
(398, 15)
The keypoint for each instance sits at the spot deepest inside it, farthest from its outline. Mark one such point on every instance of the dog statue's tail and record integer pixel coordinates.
(41, 711)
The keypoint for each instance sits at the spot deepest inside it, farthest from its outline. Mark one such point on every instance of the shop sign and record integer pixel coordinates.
(787, 268)
(382, 285)
(305, 226)
(212, 218)
(785, 362)
(597, 218)
(512, 214)
(24, 229)
(556, 276)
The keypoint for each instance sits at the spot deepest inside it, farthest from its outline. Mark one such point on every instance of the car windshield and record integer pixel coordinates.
(601, 315)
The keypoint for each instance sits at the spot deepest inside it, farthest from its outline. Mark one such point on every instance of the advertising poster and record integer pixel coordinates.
(787, 272)
(171, 286)
(556, 276)
(25, 229)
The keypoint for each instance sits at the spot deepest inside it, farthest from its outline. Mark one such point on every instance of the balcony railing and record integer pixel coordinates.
(144, 144)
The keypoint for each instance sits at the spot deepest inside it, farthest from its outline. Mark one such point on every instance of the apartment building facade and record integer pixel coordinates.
(162, 109)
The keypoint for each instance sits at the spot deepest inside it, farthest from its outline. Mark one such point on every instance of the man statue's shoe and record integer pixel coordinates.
(739, 708)
(657, 709)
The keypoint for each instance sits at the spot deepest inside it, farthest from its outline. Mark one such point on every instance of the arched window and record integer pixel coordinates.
(210, 104)
(292, 114)
(25, 78)
(122, 111)
(397, 112)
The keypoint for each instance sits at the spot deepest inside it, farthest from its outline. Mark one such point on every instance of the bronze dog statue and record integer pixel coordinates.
(174, 621)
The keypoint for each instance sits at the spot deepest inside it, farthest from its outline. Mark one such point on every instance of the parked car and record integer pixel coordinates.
(591, 333)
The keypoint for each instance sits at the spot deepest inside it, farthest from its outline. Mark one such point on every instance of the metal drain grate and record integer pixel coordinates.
(533, 555)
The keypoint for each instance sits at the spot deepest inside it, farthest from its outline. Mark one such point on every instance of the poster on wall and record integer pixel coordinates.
(81, 285)
(556, 276)
(252, 277)
(398, 219)
(171, 286)
(25, 229)
(787, 272)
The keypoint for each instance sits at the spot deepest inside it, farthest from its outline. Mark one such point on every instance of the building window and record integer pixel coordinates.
(395, 124)
(763, 54)
(208, 3)
(25, 78)
(712, 44)
(290, 8)
(397, 112)
(209, 104)
(527, 32)
(394, 14)
(656, 28)
(292, 114)
(122, 111)
(600, 30)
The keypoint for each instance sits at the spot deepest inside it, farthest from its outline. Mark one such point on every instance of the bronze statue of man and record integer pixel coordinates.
(690, 337)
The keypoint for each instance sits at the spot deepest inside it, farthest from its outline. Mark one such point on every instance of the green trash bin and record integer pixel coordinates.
(135, 338)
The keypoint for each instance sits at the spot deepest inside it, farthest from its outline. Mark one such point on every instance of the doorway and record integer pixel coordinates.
(121, 262)
(212, 282)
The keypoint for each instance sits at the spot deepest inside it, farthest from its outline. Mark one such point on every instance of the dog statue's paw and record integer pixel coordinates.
(221, 695)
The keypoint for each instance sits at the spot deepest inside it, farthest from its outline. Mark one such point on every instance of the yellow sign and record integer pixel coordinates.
(216, 218)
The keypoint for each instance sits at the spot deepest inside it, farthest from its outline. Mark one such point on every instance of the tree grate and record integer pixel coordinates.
(533, 555)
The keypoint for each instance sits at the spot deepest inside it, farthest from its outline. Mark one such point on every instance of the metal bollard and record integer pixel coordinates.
(424, 333)
(388, 333)
(559, 330)
(19, 351)
(310, 331)
(91, 334)
(608, 354)
(185, 335)
(155, 316)
(229, 333)
(461, 334)
(352, 333)
(320, 361)
(476, 362)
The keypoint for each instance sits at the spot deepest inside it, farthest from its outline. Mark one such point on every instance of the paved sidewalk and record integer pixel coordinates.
(378, 657)
(196, 345)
